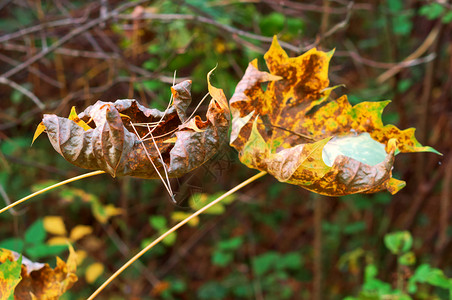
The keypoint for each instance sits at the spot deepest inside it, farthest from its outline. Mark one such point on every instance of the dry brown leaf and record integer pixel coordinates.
(40, 281)
(120, 149)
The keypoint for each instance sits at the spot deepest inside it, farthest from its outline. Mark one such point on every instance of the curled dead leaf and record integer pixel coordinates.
(40, 281)
(295, 132)
(130, 139)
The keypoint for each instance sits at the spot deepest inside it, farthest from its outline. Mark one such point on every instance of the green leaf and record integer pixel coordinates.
(290, 261)
(151, 64)
(170, 239)
(44, 250)
(16, 97)
(221, 258)
(200, 200)
(14, 244)
(152, 85)
(370, 272)
(402, 25)
(447, 18)
(231, 244)
(158, 222)
(24, 16)
(14, 146)
(437, 278)
(178, 285)
(377, 286)
(36, 233)
(355, 227)
(398, 242)
(9, 277)
(212, 290)
(265, 262)
(431, 11)
(103, 212)
(422, 273)
(407, 259)
(395, 5)
(272, 24)
(404, 85)
(295, 26)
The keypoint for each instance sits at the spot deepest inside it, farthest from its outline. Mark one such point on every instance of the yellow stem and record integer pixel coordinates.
(50, 188)
(174, 228)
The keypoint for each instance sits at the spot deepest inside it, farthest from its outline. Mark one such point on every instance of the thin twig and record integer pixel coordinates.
(384, 65)
(168, 188)
(204, 20)
(164, 113)
(293, 132)
(65, 51)
(335, 28)
(8, 201)
(81, 94)
(23, 90)
(50, 188)
(32, 70)
(174, 228)
(302, 7)
(36, 28)
(124, 249)
(75, 32)
(417, 53)
(325, 16)
(164, 167)
(185, 122)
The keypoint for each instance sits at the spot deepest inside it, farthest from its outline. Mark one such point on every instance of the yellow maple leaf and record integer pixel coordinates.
(295, 132)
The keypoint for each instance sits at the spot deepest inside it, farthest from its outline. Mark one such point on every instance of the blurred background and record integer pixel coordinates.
(274, 241)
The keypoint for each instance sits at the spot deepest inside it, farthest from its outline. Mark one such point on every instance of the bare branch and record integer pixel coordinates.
(204, 20)
(75, 32)
(384, 65)
(65, 51)
(429, 40)
(36, 28)
(32, 70)
(23, 90)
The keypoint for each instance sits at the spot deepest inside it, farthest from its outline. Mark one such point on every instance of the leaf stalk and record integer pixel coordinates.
(50, 188)
(174, 228)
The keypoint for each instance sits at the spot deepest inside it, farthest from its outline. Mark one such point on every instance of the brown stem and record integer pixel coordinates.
(318, 276)
(444, 213)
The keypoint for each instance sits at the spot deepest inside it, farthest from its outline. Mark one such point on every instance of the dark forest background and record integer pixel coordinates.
(275, 241)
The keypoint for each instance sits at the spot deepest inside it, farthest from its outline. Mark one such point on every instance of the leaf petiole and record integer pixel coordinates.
(174, 228)
(50, 188)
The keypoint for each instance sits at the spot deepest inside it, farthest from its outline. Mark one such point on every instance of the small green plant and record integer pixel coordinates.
(272, 273)
(224, 251)
(33, 243)
(424, 282)
(433, 11)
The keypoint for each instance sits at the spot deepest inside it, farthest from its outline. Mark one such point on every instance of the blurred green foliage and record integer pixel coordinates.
(33, 243)
(410, 285)
(258, 243)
